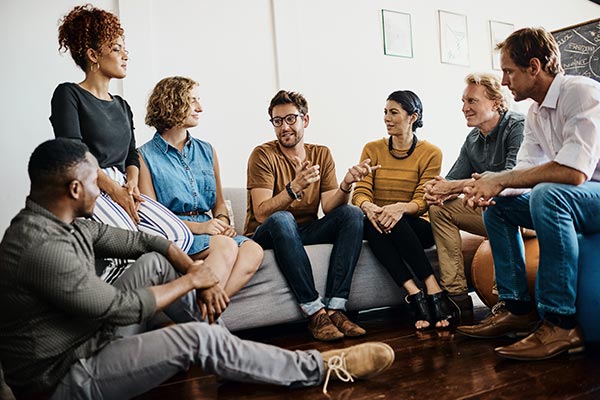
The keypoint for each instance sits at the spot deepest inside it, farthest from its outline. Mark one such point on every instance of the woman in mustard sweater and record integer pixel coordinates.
(392, 201)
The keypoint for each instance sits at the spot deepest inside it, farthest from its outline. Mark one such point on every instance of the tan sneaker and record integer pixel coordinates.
(363, 361)
(344, 325)
(321, 328)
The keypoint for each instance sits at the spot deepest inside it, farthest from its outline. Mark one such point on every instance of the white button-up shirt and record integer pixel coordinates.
(565, 128)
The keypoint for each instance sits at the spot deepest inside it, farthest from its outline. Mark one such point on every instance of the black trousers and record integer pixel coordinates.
(402, 248)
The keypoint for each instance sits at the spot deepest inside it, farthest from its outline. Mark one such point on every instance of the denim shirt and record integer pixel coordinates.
(184, 180)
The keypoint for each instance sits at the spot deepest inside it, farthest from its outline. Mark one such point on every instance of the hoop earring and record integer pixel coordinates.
(97, 67)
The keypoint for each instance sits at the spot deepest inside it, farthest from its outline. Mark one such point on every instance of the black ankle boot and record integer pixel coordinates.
(418, 303)
(440, 307)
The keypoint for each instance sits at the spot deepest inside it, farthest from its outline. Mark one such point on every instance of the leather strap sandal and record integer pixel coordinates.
(420, 307)
(440, 308)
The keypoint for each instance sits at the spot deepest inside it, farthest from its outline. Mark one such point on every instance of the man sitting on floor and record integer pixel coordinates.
(61, 326)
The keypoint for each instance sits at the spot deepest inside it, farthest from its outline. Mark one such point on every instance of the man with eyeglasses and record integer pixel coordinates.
(288, 180)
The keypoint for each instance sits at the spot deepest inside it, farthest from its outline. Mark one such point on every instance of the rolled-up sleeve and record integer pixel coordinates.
(581, 148)
(565, 128)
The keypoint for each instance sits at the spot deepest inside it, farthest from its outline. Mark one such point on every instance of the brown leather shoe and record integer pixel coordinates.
(547, 341)
(321, 328)
(344, 325)
(363, 361)
(501, 323)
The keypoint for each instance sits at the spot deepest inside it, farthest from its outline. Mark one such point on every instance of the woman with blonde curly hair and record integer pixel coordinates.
(182, 173)
(87, 112)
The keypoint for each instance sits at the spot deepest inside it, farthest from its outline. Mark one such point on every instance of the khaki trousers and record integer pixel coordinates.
(446, 223)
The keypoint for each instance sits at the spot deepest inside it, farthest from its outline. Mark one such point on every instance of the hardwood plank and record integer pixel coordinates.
(431, 364)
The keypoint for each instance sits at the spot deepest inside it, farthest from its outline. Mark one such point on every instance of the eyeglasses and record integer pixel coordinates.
(289, 119)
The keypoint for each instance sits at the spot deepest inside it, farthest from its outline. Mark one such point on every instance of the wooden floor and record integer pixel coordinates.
(430, 365)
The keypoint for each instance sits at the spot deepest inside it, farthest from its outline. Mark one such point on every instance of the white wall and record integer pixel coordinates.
(31, 67)
(242, 52)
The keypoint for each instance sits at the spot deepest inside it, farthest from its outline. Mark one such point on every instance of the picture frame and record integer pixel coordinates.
(454, 38)
(498, 32)
(397, 34)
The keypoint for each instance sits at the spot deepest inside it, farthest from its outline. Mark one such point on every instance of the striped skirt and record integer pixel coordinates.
(155, 219)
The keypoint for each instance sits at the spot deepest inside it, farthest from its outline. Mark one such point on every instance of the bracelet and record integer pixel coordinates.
(346, 191)
(224, 216)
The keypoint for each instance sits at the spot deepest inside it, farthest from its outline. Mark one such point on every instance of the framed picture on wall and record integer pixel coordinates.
(397, 34)
(454, 38)
(498, 32)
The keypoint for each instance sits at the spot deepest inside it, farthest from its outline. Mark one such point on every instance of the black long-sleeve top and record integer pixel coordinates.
(106, 127)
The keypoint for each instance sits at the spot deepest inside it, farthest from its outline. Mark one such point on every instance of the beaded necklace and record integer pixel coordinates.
(408, 153)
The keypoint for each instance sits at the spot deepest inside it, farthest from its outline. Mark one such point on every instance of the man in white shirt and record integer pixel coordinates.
(559, 161)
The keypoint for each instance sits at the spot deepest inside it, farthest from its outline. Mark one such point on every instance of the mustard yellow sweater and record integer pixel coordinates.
(398, 180)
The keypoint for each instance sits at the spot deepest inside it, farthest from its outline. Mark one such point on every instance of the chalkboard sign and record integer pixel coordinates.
(580, 48)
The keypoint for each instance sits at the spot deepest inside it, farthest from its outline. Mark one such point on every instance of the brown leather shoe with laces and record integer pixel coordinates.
(363, 361)
(546, 342)
(501, 323)
(344, 325)
(321, 328)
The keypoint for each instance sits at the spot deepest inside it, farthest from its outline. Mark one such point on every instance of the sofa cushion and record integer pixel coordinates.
(267, 300)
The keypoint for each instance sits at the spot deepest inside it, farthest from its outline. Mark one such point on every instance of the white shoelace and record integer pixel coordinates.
(337, 364)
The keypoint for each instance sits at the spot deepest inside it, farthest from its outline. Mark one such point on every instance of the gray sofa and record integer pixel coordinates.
(267, 300)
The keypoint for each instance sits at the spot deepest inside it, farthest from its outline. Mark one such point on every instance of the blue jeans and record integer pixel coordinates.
(343, 227)
(557, 212)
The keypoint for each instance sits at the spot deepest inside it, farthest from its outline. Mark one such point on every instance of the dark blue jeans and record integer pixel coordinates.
(343, 227)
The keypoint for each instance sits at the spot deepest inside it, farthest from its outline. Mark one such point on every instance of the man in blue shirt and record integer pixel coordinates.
(492, 145)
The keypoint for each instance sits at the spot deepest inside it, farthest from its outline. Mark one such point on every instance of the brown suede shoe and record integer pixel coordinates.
(321, 328)
(344, 325)
(363, 361)
(546, 342)
(501, 323)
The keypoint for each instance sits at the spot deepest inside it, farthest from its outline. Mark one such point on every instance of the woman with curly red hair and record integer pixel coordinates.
(86, 111)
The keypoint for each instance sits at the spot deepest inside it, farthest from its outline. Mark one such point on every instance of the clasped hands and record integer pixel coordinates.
(437, 191)
(216, 226)
(210, 296)
(383, 218)
(478, 191)
(481, 189)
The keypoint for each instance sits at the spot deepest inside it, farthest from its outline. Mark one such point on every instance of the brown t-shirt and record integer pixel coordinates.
(269, 168)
